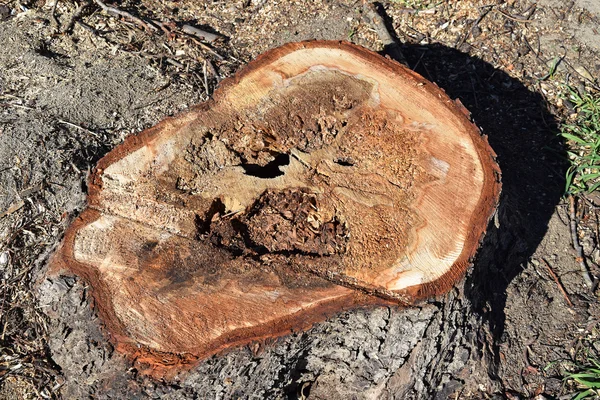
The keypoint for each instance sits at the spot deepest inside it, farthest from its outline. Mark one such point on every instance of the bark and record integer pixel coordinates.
(423, 352)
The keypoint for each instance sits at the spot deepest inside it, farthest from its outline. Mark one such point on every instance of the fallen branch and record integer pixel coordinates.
(16, 105)
(195, 34)
(125, 14)
(558, 283)
(390, 45)
(76, 15)
(578, 249)
(166, 28)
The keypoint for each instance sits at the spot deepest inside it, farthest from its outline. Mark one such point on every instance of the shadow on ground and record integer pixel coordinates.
(523, 133)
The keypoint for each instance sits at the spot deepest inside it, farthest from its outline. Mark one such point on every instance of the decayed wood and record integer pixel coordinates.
(321, 177)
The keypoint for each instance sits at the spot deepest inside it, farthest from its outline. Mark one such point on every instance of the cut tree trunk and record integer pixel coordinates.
(322, 177)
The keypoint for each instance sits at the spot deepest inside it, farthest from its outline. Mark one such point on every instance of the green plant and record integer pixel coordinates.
(583, 380)
(553, 67)
(583, 135)
(588, 380)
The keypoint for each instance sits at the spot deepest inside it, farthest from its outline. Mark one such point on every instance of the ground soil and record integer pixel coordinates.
(67, 96)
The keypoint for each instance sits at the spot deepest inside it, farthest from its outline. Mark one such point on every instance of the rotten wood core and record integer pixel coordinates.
(319, 178)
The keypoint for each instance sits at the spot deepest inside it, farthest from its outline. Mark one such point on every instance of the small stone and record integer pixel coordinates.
(523, 50)
(584, 73)
(465, 47)
(3, 259)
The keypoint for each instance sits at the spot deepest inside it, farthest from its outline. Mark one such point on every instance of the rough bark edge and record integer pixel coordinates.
(163, 364)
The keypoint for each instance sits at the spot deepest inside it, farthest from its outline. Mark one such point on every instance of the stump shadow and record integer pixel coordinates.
(531, 155)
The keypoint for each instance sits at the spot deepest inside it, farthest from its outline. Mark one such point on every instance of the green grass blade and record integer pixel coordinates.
(583, 395)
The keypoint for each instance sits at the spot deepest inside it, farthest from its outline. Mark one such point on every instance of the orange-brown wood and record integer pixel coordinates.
(321, 177)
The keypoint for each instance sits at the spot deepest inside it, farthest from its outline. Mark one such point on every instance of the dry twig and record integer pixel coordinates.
(53, 14)
(175, 63)
(200, 34)
(125, 14)
(208, 48)
(578, 249)
(213, 70)
(72, 125)
(506, 15)
(407, 10)
(558, 283)
(76, 15)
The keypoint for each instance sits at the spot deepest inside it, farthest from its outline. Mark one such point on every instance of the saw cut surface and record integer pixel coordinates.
(321, 177)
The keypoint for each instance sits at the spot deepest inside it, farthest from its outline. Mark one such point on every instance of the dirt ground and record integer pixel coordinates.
(75, 81)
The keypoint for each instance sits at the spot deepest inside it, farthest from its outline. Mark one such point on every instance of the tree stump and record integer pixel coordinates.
(322, 177)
